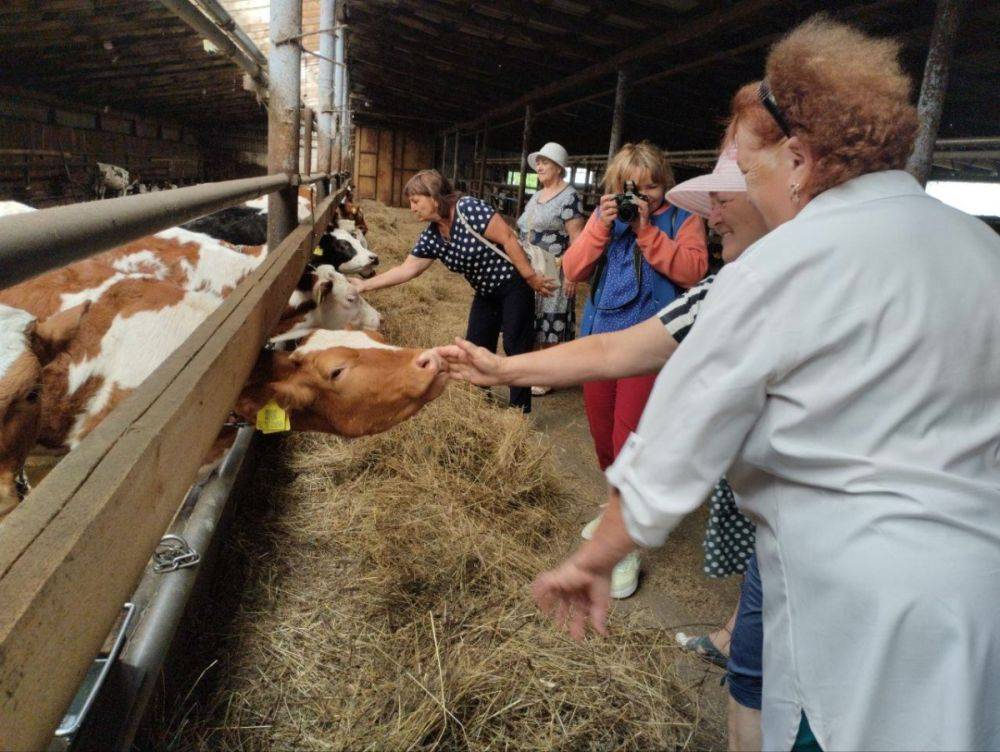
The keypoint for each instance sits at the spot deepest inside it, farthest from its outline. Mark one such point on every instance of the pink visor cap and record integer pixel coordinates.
(693, 194)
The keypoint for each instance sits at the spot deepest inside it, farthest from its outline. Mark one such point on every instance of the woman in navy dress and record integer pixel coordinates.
(470, 238)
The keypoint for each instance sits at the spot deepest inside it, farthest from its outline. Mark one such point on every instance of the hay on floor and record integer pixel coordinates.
(378, 591)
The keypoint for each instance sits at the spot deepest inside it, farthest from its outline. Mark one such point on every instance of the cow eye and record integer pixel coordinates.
(335, 373)
(32, 397)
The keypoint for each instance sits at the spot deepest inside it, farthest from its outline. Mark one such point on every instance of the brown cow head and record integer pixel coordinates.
(343, 382)
(25, 348)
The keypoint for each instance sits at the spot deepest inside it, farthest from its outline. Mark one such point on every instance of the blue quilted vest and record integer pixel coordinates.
(624, 283)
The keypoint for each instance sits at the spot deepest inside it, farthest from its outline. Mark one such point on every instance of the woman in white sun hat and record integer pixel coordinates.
(551, 220)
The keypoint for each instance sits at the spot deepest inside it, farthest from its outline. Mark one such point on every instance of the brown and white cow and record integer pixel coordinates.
(192, 260)
(337, 382)
(26, 346)
(326, 300)
(345, 382)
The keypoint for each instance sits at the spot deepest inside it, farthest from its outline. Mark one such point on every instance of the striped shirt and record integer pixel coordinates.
(680, 314)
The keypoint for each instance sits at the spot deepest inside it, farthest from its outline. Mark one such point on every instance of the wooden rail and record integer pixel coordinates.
(72, 554)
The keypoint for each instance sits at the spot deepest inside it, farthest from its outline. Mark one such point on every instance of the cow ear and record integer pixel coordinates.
(293, 395)
(55, 333)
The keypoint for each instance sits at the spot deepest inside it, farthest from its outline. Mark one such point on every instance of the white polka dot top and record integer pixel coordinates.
(483, 267)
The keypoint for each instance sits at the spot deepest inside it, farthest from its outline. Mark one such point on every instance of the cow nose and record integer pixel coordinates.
(428, 361)
(374, 260)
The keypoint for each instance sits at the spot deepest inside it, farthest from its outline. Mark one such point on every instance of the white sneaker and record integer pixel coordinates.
(625, 576)
(540, 391)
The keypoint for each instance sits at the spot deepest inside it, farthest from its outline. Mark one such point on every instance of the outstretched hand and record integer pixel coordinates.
(571, 594)
(468, 362)
(578, 590)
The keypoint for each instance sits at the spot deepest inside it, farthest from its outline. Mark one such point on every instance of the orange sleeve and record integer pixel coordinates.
(683, 260)
(581, 257)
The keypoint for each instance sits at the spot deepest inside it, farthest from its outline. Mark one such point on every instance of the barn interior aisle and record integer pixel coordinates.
(374, 593)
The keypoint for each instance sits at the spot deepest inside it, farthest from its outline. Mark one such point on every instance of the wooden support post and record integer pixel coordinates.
(618, 115)
(454, 159)
(935, 84)
(444, 152)
(307, 144)
(482, 164)
(284, 94)
(525, 145)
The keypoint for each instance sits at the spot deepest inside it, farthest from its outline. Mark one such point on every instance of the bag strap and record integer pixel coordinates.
(480, 238)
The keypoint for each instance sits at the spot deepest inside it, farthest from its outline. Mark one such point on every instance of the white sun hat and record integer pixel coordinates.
(693, 194)
(552, 151)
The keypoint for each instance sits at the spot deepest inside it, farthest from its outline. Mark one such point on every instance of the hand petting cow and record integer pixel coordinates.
(77, 341)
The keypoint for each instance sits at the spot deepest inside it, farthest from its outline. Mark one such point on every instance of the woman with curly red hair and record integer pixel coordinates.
(846, 371)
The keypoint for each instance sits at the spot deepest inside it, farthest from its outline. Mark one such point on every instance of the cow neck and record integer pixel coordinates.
(271, 366)
(59, 408)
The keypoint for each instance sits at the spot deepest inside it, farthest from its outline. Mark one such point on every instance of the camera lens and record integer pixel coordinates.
(627, 211)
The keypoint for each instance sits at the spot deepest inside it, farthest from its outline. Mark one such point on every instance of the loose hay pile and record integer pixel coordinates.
(385, 600)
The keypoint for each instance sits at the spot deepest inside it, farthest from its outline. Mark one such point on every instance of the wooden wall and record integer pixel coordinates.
(49, 146)
(384, 159)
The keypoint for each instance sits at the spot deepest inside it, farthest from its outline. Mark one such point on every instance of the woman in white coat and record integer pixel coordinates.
(846, 371)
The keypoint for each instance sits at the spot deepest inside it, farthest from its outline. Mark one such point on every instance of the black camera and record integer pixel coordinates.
(625, 201)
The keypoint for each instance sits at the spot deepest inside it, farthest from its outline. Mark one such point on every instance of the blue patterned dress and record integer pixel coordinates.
(544, 225)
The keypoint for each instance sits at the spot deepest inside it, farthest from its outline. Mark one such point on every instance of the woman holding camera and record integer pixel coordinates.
(637, 251)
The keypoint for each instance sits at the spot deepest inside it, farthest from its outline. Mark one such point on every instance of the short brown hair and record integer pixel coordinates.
(843, 93)
(432, 183)
(642, 156)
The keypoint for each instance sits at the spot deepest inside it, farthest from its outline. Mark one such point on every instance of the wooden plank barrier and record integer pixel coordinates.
(74, 551)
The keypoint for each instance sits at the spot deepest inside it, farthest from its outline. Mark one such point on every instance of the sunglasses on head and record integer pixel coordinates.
(771, 105)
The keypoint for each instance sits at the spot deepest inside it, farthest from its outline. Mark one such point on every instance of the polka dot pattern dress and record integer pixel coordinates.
(464, 254)
(729, 536)
(544, 225)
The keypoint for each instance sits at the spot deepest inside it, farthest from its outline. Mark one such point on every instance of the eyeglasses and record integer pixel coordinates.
(771, 105)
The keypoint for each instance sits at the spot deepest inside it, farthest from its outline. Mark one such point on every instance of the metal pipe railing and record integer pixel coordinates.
(193, 16)
(227, 23)
(36, 242)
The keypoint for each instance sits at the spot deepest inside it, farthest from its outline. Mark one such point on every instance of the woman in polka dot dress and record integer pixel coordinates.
(505, 285)
(552, 220)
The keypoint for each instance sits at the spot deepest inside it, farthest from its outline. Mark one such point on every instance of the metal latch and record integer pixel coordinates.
(92, 682)
(173, 553)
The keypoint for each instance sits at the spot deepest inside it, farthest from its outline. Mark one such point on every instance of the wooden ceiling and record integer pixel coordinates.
(132, 55)
(437, 63)
(432, 64)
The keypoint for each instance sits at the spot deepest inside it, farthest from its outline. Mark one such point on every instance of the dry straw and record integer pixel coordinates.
(379, 589)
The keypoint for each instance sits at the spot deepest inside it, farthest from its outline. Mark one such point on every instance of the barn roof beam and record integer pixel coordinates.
(373, 24)
(250, 59)
(505, 28)
(861, 9)
(690, 31)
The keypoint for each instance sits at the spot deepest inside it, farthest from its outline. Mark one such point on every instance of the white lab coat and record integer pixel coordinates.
(847, 368)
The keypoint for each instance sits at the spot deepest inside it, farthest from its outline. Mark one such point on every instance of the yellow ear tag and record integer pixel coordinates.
(272, 419)
(317, 251)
